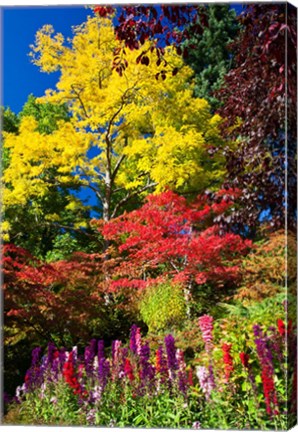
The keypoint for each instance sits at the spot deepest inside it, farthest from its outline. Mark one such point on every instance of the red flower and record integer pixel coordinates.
(281, 327)
(244, 359)
(228, 360)
(69, 375)
(269, 390)
(158, 360)
(128, 370)
(190, 377)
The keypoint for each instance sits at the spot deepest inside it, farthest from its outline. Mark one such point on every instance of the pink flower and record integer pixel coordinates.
(180, 360)
(206, 326)
(138, 341)
(205, 380)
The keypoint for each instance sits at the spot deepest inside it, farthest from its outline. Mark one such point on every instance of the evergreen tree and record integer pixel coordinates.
(208, 53)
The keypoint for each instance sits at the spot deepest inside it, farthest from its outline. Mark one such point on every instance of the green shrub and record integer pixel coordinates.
(163, 307)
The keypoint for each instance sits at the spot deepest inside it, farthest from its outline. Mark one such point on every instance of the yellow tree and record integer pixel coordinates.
(129, 133)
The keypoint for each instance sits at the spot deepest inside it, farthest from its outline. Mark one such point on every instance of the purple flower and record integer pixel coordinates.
(103, 372)
(62, 358)
(182, 382)
(132, 341)
(124, 353)
(90, 416)
(145, 352)
(89, 355)
(161, 364)
(257, 330)
(92, 346)
(182, 377)
(51, 351)
(263, 350)
(171, 354)
(265, 355)
(100, 349)
(55, 369)
(36, 356)
(147, 370)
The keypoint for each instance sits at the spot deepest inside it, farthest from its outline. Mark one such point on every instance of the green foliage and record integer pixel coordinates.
(247, 315)
(166, 410)
(35, 225)
(63, 246)
(10, 121)
(209, 54)
(163, 307)
(46, 114)
(45, 410)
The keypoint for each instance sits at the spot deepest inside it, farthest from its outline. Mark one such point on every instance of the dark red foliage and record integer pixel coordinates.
(255, 89)
(134, 25)
(170, 238)
(104, 11)
(261, 90)
(50, 299)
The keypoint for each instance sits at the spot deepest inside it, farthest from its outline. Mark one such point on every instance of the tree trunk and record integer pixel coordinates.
(187, 295)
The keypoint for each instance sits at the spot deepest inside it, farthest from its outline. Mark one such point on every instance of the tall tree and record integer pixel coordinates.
(170, 239)
(126, 135)
(260, 107)
(208, 52)
(35, 223)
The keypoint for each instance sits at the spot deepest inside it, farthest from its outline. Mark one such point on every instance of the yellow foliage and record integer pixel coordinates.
(5, 227)
(161, 131)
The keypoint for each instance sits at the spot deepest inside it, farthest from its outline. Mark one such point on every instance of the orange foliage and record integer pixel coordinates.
(265, 270)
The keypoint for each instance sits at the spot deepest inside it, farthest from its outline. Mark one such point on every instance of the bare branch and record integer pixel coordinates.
(77, 93)
(117, 166)
(130, 195)
(69, 228)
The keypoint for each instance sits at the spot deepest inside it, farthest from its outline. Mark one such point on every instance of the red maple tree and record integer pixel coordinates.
(171, 238)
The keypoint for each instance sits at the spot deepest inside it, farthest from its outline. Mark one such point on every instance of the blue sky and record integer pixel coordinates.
(19, 26)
